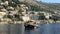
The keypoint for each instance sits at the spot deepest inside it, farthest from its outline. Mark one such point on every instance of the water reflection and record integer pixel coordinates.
(11, 29)
(19, 29)
(46, 29)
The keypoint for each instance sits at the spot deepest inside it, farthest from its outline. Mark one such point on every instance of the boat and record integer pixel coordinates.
(30, 25)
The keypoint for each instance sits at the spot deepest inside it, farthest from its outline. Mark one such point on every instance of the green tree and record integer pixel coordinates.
(20, 11)
(18, 17)
(41, 16)
(55, 18)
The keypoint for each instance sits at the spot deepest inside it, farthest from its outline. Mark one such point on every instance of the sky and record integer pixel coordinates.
(50, 1)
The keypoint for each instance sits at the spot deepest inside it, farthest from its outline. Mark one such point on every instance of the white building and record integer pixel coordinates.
(2, 13)
(10, 8)
(26, 18)
(48, 15)
(34, 17)
(36, 13)
(57, 21)
(6, 2)
(2, 3)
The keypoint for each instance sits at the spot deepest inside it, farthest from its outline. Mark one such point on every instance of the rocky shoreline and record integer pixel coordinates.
(21, 22)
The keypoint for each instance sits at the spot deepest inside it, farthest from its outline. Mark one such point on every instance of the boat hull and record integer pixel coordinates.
(29, 27)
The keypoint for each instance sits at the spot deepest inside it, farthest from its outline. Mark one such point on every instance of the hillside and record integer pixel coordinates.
(36, 5)
(14, 9)
(42, 6)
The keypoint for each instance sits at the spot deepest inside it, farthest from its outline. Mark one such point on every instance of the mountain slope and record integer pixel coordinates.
(38, 6)
(46, 6)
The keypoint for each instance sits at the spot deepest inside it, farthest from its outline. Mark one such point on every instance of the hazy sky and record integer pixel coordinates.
(51, 1)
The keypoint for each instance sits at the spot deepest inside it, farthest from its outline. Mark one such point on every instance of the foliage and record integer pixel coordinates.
(40, 13)
(5, 16)
(8, 17)
(36, 8)
(41, 16)
(16, 1)
(18, 17)
(55, 18)
(20, 11)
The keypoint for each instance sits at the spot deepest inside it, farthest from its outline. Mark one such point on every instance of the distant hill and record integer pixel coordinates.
(44, 6)
(39, 6)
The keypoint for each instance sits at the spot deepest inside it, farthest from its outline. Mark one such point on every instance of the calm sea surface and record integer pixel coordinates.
(19, 29)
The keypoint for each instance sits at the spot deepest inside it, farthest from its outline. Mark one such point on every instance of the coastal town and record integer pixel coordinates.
(10, 12)
(29, 17)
